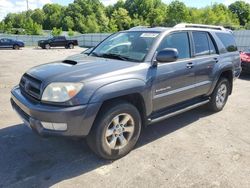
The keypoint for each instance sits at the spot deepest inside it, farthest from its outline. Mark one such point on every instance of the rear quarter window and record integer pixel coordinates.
(228, 41)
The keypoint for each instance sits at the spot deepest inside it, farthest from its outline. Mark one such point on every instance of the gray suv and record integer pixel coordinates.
(132, 79)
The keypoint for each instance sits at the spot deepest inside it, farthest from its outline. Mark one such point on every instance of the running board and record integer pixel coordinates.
(177, 112)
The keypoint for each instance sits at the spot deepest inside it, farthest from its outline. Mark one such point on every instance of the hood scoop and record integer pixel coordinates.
(69, 62)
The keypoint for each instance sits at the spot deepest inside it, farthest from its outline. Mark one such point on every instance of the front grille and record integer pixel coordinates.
(31, 86)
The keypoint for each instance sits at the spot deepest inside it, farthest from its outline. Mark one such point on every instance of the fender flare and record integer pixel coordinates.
(117, 89)
(227, 67)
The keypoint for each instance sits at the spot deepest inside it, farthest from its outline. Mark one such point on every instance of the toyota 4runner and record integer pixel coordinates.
(132, 79)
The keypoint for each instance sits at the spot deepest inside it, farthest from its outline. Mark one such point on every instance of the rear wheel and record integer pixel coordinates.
(115, 131)
(47, 46)
(220, 95)
(71, 46)
(16, 47)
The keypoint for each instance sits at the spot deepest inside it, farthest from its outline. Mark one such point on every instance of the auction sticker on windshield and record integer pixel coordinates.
(149, 35)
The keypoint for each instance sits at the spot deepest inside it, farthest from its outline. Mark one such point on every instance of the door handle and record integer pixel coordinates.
(190, 65)
(216, 60)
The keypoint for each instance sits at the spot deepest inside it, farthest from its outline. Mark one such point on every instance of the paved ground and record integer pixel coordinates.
(195, 149)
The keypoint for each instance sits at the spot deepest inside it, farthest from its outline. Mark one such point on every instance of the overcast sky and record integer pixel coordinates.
(7, 6)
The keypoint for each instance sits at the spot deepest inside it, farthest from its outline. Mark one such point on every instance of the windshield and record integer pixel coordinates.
(129, 46)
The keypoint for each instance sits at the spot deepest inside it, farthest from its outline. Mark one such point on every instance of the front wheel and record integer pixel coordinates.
(219, 96)
(16, 47)
(115, 131)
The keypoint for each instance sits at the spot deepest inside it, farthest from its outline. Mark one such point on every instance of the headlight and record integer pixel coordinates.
(61, 92)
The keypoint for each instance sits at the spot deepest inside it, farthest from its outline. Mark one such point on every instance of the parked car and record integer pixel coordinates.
(57, 42)
(109, 94)
(245, 60)
(10, 43)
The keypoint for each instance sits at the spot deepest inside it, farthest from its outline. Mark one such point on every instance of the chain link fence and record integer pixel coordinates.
(242, 38)
(84, 40)
(90, 40)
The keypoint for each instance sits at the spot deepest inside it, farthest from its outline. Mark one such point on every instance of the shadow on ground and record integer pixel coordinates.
(52, 48)
(10, 49)
(245, 76)
(27, 160)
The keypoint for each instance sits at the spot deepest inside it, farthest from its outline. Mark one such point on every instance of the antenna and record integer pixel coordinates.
(27, 1)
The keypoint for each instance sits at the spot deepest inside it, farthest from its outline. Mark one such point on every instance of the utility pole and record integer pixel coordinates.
(27, 4)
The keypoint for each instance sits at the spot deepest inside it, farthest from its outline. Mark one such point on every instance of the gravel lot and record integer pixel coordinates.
(194, 149)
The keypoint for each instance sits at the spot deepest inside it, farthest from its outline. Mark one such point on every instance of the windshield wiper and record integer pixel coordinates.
(95, 54)
(117, 56)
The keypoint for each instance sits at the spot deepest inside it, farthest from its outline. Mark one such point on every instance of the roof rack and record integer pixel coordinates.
(185, 25)
(138, 27)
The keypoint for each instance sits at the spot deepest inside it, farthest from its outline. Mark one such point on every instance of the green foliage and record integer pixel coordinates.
(71, 33)
(121, 18)
(91, 16)
(177, 12)
(242, 10)
(56, 32)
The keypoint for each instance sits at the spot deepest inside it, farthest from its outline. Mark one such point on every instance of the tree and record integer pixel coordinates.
(56, 32)
(53, 16)
(2, 26)
(90, 16)
(71, 33)
(242, 10)
(219, 14)
(67, 23)
(38, 16)
(156, 17)
(177, 13)
(121, 18)
(142, 7)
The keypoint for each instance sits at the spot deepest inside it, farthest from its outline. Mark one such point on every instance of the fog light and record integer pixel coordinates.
(60, 126)
(55, 126)
(47, 125)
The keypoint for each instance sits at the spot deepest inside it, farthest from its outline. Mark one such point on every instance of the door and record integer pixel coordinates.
(60, 41)
(174, 81)
(205, 58)
(5, 43)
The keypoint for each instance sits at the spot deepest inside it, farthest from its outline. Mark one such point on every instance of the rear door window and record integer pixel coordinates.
(201, 43)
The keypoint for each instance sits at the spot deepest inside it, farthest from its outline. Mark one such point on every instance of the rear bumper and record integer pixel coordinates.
(79, 119)
(245, 66)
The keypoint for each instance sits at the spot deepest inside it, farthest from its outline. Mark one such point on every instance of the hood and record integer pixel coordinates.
(80, 67)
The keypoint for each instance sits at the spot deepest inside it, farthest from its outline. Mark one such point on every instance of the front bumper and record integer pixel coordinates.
(79, 119)
(245, 66)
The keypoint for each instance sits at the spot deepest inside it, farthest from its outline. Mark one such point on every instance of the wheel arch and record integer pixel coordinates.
(133, 91)
(227, 73)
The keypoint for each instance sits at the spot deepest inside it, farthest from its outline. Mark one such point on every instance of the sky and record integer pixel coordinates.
(7, 6)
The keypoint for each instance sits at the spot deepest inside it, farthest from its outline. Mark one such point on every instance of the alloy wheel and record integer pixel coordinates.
(221, 96)
(120, 131)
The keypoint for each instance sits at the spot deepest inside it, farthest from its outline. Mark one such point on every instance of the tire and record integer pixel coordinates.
(47, 46)
(71, 46)
(106, 139)
(219, 96)
(16, 47)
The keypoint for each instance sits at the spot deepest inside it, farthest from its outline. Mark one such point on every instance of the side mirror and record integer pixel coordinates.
(167, 55)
